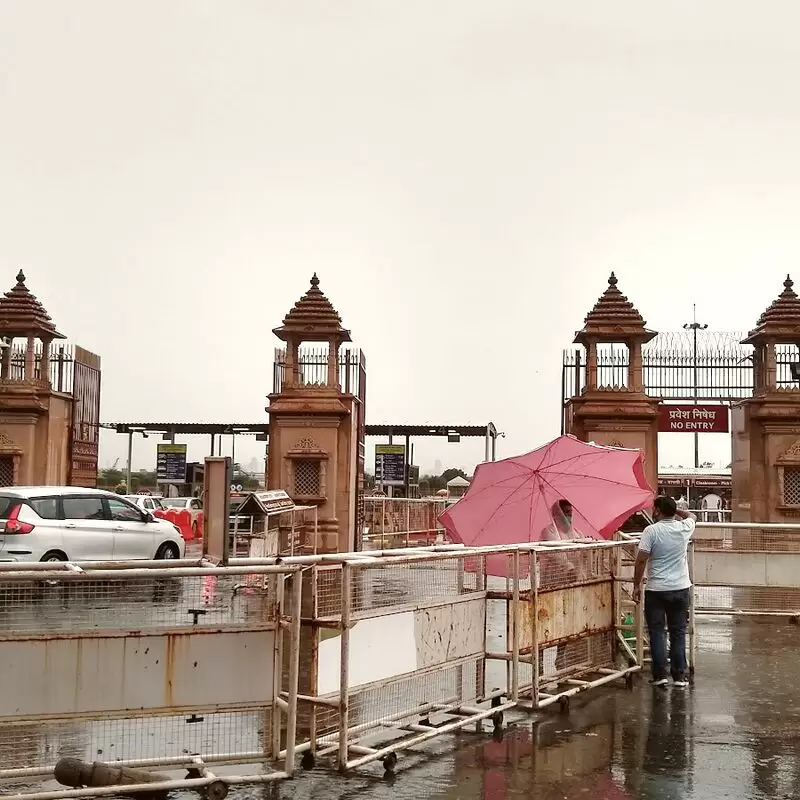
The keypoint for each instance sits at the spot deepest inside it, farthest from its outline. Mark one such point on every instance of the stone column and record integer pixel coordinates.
(291, 368)
(333, 352)
(5, 360)
(30, 359)
(771, 368)
(635, 368)
(591, 365)
(45, 365)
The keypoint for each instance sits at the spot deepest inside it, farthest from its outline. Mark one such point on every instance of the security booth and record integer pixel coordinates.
(269, 523)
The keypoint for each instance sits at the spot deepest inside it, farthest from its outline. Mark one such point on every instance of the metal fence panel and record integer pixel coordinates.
(78, 675)
(147, 666)
(747, 568)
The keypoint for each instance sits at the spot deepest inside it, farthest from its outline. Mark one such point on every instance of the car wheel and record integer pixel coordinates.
(167, 552)
(53, 555)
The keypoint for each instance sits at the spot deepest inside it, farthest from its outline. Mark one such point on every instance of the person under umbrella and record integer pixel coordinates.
(556, 569)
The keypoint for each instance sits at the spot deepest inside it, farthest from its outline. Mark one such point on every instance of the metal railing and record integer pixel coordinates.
(399, 645)
(147, 665)
(747, 569)
(312, 369)
(402, 522)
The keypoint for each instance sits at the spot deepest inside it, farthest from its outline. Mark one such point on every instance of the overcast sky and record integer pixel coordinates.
(461, 174)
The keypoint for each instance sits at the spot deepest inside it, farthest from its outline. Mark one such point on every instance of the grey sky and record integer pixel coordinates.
(462, 175)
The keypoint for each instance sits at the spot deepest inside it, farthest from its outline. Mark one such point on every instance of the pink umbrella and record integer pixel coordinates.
(511, 501)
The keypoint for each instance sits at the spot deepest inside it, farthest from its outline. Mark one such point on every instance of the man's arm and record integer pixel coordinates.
(683, 513)
(642, 558)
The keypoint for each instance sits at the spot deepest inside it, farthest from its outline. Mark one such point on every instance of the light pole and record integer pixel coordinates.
(695, 326)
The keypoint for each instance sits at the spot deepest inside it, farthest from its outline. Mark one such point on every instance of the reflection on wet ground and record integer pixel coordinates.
(734, 734)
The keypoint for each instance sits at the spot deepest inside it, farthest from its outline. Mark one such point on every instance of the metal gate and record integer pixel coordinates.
(720, 369)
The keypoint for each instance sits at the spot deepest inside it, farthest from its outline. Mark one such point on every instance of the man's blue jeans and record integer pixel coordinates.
(667, 611)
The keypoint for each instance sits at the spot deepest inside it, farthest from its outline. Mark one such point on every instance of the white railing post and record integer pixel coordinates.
(515, 618)
(535, 627)
(344, 667)
(294, 670)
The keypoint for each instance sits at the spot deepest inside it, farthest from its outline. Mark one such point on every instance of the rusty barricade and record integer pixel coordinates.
(567, 630)
(412, 644)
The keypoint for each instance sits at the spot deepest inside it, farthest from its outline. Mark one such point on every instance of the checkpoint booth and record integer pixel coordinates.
(269, 523)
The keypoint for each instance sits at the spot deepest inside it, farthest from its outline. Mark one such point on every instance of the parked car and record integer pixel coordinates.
(65, 523)
(146, 502)
(194, 505)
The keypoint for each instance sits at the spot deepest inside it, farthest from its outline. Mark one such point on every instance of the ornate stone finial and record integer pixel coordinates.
(781, 321)
(22, 314)
(314, 318)
(613, 319)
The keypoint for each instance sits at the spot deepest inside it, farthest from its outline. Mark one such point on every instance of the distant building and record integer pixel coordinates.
(457, 487)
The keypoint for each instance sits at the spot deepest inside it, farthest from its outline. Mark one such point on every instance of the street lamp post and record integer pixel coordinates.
(695, 326)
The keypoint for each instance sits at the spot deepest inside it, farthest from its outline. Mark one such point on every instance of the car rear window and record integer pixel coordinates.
(45, 507)
(6, 504)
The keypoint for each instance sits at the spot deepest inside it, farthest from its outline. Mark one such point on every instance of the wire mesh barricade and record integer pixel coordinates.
(402, 522)
(565, 630)
(747, 569)
(412, 644)
(401, 653)
(145, 667)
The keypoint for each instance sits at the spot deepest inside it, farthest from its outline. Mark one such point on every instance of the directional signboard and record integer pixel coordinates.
(390, 464)
(171, 463)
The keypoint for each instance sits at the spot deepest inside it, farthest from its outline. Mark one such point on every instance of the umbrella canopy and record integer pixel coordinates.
(511, 501)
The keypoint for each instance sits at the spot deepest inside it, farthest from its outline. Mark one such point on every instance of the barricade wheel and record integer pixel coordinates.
(390, 762)
(497, 719)
(629, 681)
(218, 790)
(563, 702)
(308, 762)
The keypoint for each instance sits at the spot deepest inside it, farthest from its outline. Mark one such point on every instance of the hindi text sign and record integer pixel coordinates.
(693, 419)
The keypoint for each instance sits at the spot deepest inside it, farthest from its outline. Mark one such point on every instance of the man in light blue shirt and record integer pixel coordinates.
(662, 552)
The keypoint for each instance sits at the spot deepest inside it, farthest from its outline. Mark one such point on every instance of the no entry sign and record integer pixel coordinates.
(693, 419)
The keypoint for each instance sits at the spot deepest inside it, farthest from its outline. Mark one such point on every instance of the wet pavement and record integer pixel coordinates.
(734, 734)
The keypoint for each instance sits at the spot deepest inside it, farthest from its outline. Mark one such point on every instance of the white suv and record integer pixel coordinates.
(65, 523)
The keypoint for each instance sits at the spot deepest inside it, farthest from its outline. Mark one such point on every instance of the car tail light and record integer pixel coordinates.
(13, 525)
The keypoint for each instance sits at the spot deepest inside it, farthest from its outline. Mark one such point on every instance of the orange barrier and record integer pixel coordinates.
(200, 524)
(184, 522)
